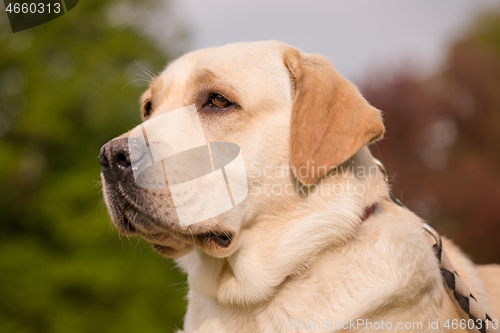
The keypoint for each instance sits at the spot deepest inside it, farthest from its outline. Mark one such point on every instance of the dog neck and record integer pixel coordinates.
(265, 258)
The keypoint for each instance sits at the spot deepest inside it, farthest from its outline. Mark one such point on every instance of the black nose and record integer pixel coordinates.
(115, 160)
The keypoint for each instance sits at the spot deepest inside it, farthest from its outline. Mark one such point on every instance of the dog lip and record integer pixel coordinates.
(222, 239)
(129, 210)
(169, 238)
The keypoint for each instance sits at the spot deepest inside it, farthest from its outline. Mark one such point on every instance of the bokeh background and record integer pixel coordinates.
(70, 85)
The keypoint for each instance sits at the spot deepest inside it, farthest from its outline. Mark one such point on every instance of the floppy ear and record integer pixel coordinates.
(330, 120)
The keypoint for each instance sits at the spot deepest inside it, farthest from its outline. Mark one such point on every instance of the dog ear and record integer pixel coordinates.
(330, 120)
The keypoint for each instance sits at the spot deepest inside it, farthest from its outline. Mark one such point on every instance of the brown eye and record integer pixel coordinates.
(219, 101)
(147, 109)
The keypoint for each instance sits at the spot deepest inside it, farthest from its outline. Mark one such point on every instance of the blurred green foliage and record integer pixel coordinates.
(63, 267)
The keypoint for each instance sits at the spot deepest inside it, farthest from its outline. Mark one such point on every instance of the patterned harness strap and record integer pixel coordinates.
(457, 286)
(462, 294)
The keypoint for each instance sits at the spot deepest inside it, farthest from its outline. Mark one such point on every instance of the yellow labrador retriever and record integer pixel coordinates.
(317, 245)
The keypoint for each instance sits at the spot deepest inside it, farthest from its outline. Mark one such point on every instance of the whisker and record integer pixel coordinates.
(138, 241)
(135, 81)
(144, 77)
(145, 70)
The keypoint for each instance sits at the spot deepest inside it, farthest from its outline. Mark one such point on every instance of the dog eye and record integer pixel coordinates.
(219, 101)
(147, 108)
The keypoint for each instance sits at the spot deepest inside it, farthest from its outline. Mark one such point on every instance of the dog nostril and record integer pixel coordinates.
(103, 160)
(123, 160)
(115, 160)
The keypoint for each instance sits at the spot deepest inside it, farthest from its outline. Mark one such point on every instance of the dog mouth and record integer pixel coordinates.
(220, 239)
(167, 237)
(207, 240)
(213, 243)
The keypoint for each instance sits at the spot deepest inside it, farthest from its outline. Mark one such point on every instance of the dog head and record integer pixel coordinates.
(286, 111)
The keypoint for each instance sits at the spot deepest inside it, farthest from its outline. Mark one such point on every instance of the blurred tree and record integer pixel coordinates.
(442, 140)
(64, 93)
